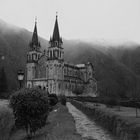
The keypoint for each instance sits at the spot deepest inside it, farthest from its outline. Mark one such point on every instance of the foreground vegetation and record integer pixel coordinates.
(6, 121)
(30, 108)
(121, 123)
(27, 113)
(60, 126)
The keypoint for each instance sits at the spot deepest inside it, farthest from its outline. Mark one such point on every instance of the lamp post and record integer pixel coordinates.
(47, 89)
(3, 78)
(20, 77)
(2, 57)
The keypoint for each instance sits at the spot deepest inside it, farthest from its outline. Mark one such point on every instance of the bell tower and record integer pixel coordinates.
(33, 55)
(56, 61)
(34, 52)
(55, 50)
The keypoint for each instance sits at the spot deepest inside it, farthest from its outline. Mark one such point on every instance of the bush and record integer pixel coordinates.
(53, 99)
(110, 102)
(63, 99)
(78, 91)
(30, 108)
(130, 103)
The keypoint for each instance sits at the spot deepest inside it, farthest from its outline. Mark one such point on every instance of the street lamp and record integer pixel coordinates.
(20, 77)
(2, 57)
(47, 89)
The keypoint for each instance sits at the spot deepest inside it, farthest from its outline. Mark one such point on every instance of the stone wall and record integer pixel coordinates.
(118, 126)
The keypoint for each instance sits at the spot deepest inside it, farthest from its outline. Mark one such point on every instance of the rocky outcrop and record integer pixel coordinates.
(118, 126)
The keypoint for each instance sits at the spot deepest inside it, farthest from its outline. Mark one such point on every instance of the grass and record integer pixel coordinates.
(6, 120)
(125, 113)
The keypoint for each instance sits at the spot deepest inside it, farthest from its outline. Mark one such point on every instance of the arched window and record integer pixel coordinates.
(44, 88)
(65, 70)
(29, 86)
(36, 56)
(56, 43)
(60, 54)
(70, 86)
(27, 57)
(57, 53)
(59, 85)
(32, 57)
(66, 86)
(51, 54)
(50, 87)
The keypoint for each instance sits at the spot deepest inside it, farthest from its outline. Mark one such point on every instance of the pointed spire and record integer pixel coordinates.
(56, 35)
(35, 35)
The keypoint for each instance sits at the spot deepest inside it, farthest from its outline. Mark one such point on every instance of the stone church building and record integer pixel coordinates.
(49, 70)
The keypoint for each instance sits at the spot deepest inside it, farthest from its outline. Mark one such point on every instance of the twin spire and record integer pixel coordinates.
(56, 35)
(35, 44)
(55, 38)
(35, 35)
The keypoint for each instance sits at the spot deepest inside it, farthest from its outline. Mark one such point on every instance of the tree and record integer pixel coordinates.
(62, 99)
(3, 81)
(135, 95)
(53, 100)
(30, 108)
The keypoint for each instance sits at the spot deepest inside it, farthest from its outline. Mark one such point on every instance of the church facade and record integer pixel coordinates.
(48, 69)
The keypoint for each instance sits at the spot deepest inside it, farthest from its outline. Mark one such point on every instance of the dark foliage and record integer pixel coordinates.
(63, 99)
(53, 99)
(3, 81)
(110, 102)
(131, 103)
(30, 108)
(78, 90)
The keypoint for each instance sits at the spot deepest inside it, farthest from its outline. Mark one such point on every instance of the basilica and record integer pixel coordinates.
(49, 70)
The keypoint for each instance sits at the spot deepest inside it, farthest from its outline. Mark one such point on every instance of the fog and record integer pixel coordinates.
(87, 19)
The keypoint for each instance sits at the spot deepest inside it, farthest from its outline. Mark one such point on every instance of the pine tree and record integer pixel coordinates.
(3, 80)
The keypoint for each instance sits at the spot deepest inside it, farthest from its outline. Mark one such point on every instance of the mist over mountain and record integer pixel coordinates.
(116, 68)
(113, 76)
(13, 46)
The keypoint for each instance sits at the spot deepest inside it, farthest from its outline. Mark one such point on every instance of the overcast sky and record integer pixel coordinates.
(78, 19)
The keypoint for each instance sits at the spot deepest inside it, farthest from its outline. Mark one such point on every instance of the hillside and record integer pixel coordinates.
(13, 46)
(114, 73)
(113, 76)
(130, 57)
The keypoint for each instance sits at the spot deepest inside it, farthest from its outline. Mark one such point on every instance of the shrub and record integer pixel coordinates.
(63, 99)
(110, 102)
(30, 108)
(78, 90)
(53, 99)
